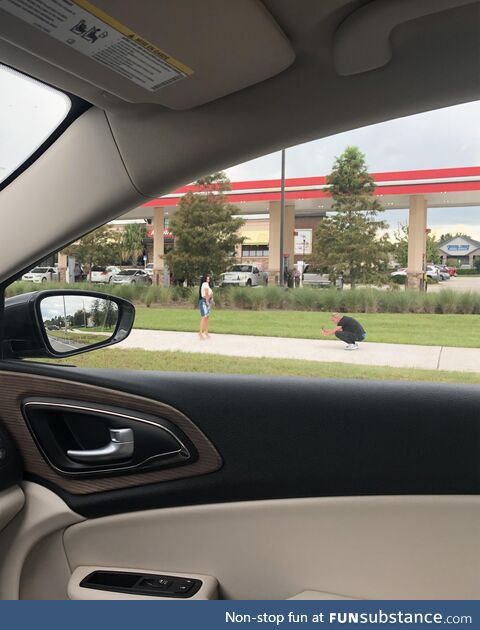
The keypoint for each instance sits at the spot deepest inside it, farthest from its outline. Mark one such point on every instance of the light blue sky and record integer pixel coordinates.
(442, 138)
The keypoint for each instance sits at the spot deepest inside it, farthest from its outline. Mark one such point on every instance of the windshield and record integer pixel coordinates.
(128, 272)
(241, 268)
(29, 113)
(40, 270)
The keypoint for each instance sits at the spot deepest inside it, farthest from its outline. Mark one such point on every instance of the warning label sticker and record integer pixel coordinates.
(90, 31)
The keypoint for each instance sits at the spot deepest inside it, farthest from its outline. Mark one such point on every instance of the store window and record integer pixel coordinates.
(254, 251)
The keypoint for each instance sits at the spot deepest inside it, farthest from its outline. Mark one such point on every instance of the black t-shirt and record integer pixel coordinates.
(351, 325)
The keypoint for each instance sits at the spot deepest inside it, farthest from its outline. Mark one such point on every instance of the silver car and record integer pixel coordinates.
(131, 276)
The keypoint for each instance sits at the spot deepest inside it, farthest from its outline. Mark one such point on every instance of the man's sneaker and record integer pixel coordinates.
(351, 346)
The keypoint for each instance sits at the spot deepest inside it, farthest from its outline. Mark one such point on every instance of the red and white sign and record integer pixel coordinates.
(166, 233)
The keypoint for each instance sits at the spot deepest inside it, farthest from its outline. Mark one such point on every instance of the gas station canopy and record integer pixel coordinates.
(447, 187)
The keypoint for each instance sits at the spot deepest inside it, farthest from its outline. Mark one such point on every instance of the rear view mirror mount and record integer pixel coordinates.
(62, 323)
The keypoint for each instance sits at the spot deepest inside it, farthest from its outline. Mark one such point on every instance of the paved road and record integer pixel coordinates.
(383, 354)
(460, 283)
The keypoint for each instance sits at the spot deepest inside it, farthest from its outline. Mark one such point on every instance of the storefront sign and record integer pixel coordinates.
(458, 248)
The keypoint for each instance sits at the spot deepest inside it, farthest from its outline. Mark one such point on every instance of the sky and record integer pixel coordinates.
(443, 138)
(29, 112)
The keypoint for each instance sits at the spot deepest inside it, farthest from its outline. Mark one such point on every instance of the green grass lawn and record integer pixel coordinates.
(420, 329)
(211, 363)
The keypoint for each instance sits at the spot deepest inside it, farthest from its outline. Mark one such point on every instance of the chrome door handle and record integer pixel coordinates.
(120, 447)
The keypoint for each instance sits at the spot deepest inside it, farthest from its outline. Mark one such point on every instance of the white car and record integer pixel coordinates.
(103, 274)
(149, 269)
(41, 274)
(244, 276)
(131, 276)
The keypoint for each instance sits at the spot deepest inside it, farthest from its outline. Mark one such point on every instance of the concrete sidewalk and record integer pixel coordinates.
(386, 354)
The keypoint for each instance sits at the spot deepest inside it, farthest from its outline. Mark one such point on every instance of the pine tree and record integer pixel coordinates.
(348, 242)
(205, 229)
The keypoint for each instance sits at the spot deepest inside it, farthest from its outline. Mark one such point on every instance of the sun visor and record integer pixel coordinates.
(179, 54)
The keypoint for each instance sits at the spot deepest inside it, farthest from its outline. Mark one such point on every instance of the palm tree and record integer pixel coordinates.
(132, 240)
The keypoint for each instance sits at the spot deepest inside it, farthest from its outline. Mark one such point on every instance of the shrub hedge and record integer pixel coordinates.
(468, 272)
(362, 300)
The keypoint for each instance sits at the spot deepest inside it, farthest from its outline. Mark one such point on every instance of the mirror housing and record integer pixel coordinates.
(25, 333)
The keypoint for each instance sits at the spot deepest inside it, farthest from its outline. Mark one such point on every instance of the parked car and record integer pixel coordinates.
(432, 274)
(315, 278)
(244, 276)
(131, 276)
(41, 274)
(443, 271)
(149, 269)
(103, 274)
(401, 272)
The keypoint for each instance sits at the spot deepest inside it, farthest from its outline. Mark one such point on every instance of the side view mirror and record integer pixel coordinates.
(63, 323)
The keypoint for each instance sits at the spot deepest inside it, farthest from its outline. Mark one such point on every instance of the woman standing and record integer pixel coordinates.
(205, 299)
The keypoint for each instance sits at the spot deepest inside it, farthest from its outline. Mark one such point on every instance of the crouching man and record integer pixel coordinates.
(347, 329)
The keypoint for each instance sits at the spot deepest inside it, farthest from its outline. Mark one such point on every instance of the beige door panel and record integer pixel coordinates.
(363, 547)
(11, 502)
(44, 514)
(318, 595)
(323, 548)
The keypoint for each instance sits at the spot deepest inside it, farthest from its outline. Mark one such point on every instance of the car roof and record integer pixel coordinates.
(320, 66)
(343, 63)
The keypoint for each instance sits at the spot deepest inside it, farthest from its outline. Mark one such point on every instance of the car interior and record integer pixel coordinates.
(118, 484)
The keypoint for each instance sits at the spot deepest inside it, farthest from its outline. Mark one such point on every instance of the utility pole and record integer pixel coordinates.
(282, 219)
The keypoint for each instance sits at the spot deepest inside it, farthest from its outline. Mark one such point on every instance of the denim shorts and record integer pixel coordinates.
(203, 307)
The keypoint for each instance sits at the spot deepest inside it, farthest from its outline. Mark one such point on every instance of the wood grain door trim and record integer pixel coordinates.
(15, 387)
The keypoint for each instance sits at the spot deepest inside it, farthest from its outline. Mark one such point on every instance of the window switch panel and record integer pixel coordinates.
(142, 584)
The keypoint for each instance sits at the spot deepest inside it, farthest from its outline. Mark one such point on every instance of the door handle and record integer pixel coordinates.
(120, 447)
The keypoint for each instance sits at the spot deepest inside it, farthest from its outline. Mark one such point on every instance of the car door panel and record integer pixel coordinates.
(400, 547)
(37, 529)
(277, 438)
(11, 502)
(356, 489)
(357, 547)
(11, 496)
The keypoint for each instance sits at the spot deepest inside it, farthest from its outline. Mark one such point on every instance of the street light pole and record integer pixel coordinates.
(282, 218)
